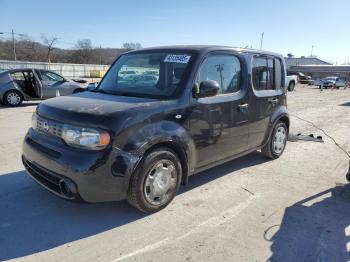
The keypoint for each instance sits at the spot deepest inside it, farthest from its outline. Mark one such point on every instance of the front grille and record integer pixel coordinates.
(49, 127)
(43, 149)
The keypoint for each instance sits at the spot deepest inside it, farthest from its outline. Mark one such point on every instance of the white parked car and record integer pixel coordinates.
(291, 82)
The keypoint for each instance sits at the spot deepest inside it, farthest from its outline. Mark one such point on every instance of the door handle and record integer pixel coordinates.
(273, 100)
(243, 107)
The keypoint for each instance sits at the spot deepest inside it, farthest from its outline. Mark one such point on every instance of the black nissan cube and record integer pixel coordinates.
(140, 135)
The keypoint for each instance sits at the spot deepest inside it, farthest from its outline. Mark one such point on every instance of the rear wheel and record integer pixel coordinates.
(277, 141)
(155, 181)
(13, 98)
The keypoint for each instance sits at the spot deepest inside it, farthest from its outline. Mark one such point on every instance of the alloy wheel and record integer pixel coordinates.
(13, 98)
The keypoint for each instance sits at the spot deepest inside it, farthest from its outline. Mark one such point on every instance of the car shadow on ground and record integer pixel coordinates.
(345, 104)
(314, 229)
(33, 220)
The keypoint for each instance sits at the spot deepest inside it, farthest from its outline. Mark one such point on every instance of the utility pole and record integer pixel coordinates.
(261, 40)
(12, 33)
(14, 45)
(220, 68)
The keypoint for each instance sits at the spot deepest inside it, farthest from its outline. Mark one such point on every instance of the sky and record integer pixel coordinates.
(289, 26)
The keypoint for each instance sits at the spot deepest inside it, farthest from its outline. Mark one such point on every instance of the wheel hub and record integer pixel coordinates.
(279, 140)
(160, 182)
(13, 98)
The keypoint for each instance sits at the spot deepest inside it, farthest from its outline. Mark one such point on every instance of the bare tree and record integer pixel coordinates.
(49, 42)
(84, 52)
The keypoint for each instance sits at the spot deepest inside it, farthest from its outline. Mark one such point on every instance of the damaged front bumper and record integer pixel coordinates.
(74, 174)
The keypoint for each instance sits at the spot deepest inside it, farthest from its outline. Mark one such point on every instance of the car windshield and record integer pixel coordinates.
(153, 75)
(330, 78)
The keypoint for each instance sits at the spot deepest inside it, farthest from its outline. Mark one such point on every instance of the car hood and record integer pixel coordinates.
(97, 109)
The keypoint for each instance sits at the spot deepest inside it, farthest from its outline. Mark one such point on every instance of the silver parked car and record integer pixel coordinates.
(17, 85)
(330, 81)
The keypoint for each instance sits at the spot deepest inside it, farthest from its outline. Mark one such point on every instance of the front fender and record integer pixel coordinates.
(143, 138)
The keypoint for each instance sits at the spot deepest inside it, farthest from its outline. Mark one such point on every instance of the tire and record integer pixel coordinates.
(276, 144)
(13, 98)
(291, 86)
(155, 181)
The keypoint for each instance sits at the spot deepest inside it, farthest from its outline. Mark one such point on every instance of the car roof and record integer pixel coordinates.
(16, 70)
(204, 49)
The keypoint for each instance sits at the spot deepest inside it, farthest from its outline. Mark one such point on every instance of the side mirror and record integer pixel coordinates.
(208, 88)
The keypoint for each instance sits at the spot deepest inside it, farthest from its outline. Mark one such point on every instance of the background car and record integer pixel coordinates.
(330, 81)
(291, 81)
(32, 84)
(302, 78)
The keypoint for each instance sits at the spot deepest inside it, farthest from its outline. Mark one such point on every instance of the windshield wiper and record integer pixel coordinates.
(116, 93)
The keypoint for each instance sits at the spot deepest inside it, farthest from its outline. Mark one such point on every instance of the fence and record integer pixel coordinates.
(66, 70)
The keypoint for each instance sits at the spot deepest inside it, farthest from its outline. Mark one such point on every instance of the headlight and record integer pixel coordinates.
(34, 120)
(85, 137)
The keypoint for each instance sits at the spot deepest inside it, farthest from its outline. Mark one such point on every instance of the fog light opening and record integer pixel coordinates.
(67, 188)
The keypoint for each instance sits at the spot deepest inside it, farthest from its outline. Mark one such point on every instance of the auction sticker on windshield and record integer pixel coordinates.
(177, 59)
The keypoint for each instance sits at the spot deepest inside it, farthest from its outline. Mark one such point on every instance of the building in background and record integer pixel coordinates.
(300, 61)
(315, 67)
(320, 71)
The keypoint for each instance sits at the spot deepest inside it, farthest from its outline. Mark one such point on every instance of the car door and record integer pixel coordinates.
(218, 124)
(38, 88)
(52, 84)
(268, 88)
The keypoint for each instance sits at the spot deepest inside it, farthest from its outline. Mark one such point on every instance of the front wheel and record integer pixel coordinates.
(156, 181)
(291, 86)
(277, 141)
(13, 98)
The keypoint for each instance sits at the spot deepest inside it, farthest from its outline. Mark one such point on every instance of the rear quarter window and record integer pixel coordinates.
(17, 76)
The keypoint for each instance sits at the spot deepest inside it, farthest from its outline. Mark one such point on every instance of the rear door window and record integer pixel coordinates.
(266, 73)
(17, 76)
(262, 73)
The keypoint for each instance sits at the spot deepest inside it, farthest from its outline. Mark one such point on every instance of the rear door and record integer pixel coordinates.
(268, 84)
(219, 124)
(38, 88)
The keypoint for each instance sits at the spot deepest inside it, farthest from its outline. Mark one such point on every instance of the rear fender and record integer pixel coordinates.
(280, 114)
(11, 85)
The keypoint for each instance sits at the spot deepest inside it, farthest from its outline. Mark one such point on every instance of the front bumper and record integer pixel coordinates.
(93, 176)
(328, 84)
